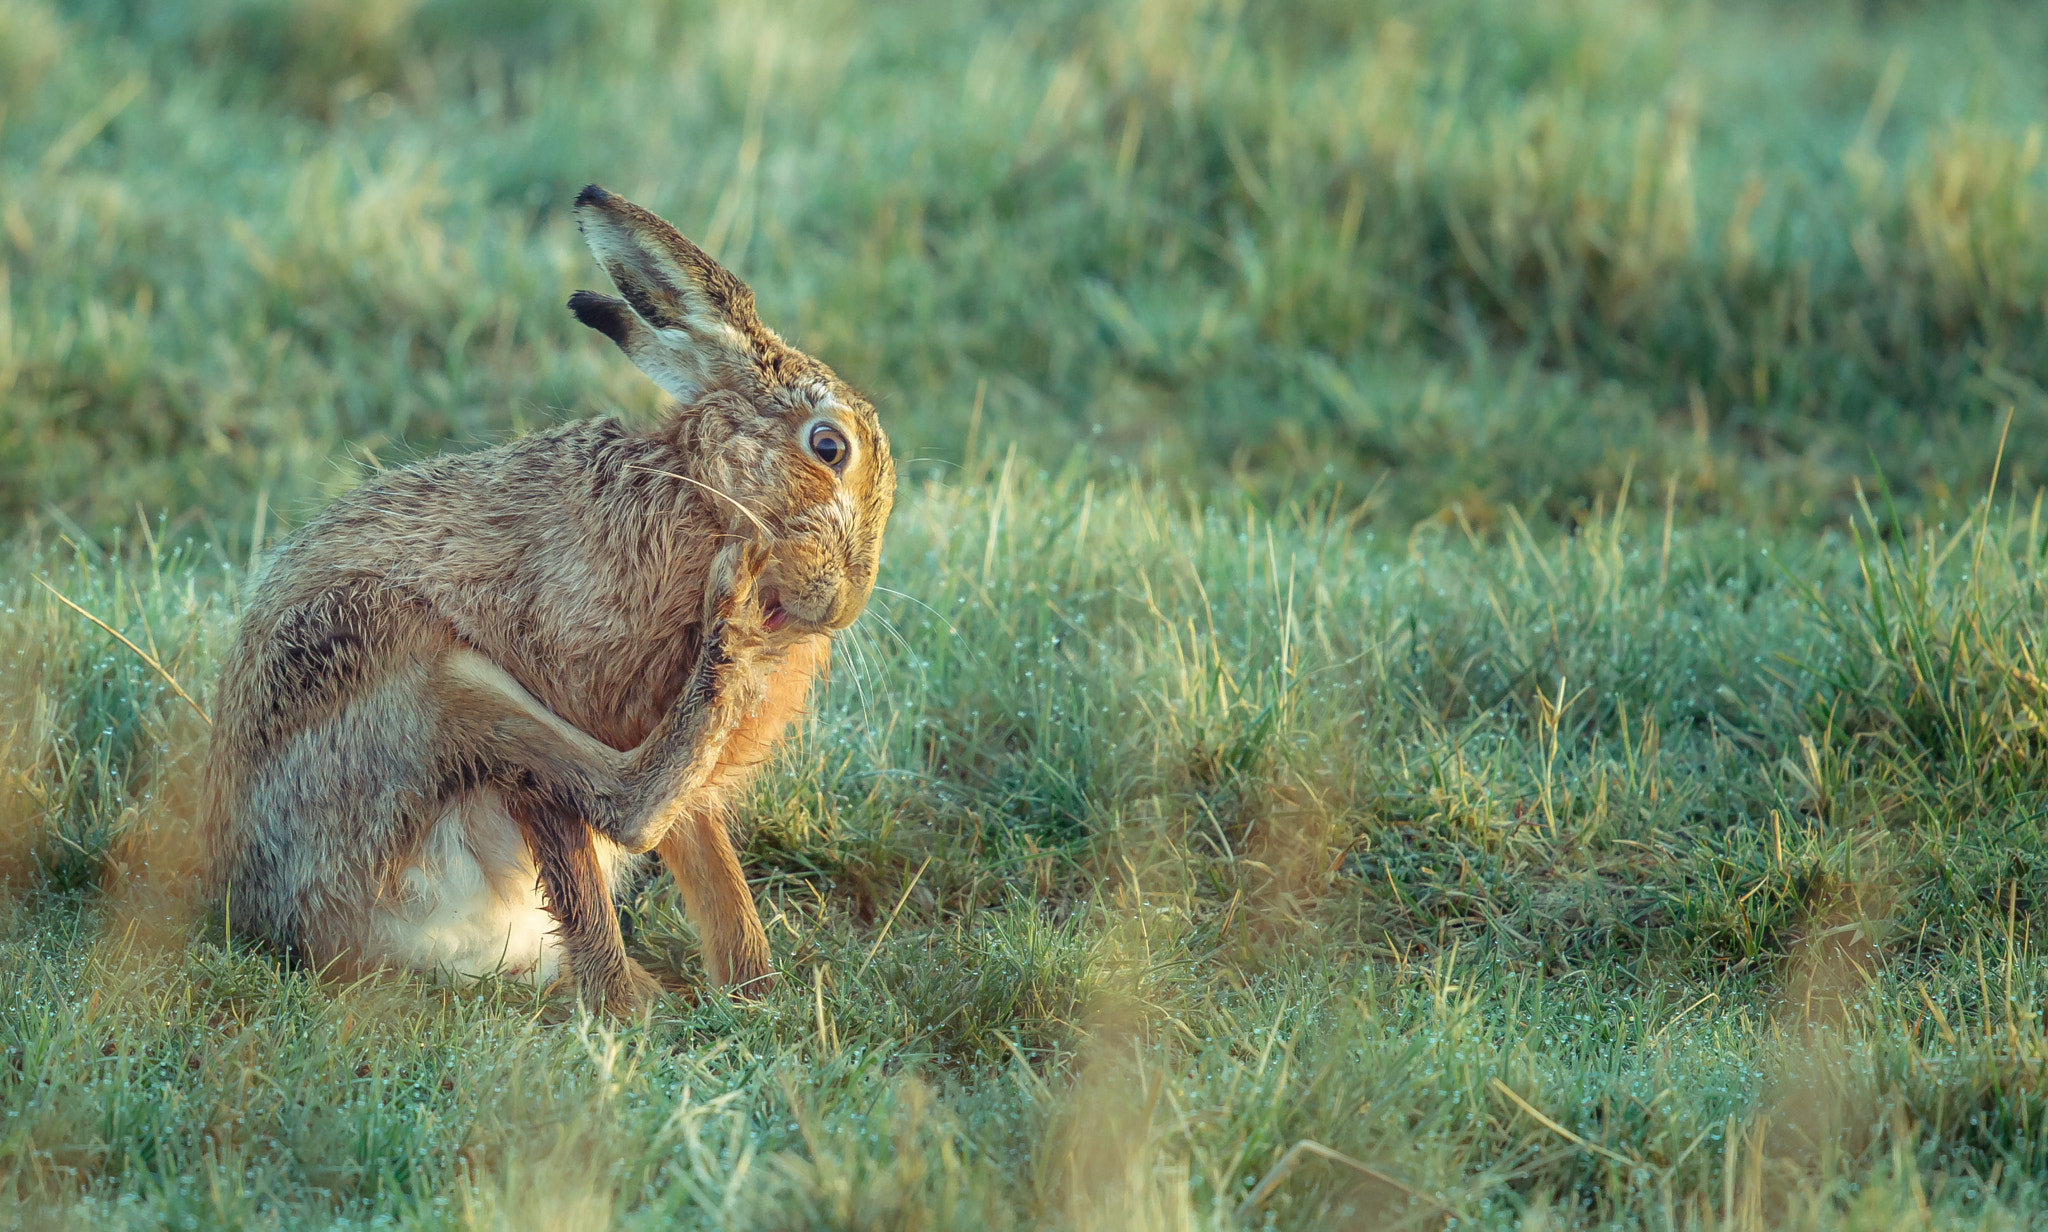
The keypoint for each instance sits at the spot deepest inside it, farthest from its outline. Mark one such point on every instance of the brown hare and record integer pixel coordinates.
(459, 697)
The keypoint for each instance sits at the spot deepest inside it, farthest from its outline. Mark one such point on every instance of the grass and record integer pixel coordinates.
(1467, 593)
(1590, 881)
(1273, 245)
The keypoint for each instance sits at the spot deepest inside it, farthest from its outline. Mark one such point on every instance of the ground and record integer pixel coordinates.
(1459, 644)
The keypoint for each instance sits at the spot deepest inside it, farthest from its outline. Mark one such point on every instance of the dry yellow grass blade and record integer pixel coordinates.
(140, 653)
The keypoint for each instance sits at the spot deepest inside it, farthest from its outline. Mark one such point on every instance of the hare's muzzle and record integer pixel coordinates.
(846, 607)
(819, 598)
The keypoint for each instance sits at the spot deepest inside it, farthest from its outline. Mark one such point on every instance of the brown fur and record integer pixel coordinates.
(577, 625)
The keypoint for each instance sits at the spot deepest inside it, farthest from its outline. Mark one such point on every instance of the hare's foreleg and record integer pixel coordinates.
(579, 898)
(563, 786)
(699, 853)
(698, 849)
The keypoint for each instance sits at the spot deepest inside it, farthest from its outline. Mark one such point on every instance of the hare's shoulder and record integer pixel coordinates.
(523, 534)
(549, 456)
(526, 483)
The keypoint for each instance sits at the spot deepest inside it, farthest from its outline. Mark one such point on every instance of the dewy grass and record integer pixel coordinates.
(1497, 249)
(1138, 839)
(1392, 638)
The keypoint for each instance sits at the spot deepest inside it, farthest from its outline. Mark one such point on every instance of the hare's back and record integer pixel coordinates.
(567, 557)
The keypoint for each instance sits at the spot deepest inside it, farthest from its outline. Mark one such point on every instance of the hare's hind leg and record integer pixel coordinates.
(344, 843)
(563, 785)
(315, 829)
(550, 776)
(560, 781)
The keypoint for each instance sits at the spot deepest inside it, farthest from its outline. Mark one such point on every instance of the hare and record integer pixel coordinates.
(466, 692)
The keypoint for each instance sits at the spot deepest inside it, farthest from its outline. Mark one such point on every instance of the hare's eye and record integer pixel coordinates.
(831, 446)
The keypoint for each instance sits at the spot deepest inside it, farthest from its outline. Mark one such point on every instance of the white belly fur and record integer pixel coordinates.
(470, 903)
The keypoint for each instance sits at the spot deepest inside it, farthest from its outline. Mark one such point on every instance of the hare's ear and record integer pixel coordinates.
(685, 320)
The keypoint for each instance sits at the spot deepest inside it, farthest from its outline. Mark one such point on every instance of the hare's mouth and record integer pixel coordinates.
(774, 614)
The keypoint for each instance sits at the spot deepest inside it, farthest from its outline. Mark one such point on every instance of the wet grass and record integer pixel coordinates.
(1439, 608)
(1496, 250)
(1576, 879)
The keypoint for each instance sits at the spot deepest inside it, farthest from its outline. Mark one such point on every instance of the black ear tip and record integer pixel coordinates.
(592, 195)
(602, 313)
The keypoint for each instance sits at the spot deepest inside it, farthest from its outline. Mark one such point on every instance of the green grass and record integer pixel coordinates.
(1276, 244)
(1150, 838)
(1440, 607)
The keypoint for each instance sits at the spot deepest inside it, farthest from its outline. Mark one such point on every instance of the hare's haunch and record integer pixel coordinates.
(466, 691)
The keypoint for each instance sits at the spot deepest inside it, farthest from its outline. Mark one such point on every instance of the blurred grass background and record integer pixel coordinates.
(1499, 250)
(1468, 590)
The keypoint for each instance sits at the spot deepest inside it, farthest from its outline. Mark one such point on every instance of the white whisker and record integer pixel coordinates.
(926, 606)
(859, 645)
(751, 515)
(890, 626)
(872, 654)
(853, 669)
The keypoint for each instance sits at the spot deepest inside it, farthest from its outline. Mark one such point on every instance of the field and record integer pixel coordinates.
(1460, 644)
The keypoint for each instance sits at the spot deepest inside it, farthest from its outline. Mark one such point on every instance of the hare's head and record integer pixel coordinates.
(796, 458)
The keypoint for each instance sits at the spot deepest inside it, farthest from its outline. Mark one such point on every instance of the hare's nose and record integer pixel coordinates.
(847, 603)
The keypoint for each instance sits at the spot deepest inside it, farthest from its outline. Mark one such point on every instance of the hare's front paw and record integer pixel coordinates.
(745, 975)
(736, 951)
(629, 992)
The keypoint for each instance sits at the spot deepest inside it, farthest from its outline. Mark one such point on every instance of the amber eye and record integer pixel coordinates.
(831, 446)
